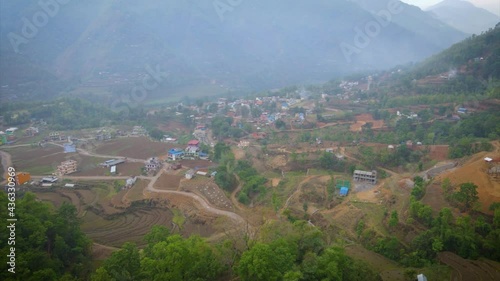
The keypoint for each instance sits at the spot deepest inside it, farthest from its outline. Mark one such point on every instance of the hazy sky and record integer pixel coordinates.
(490, 5)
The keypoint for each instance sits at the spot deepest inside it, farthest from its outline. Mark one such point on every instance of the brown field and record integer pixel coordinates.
(117, 200)
(139, 148)
(173, 126)
(207, 188)
(438, 152)
(168, 182)
(38, 160)
(434, 197)
(465, 270)
(197, 164)
(474, 170)
(128, 225)
(362, 119)
(52, 197)
(137, 191)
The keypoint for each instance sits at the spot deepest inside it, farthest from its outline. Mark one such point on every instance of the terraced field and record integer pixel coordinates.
(130, 227)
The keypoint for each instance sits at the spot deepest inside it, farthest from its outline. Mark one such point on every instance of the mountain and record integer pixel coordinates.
(238, 45)
(464, 16)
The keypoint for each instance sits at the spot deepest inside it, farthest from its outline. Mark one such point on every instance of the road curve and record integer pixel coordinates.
(233, 216)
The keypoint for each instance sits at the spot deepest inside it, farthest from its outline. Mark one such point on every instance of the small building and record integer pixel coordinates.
(130, 182)
(32, 131)
(194, 143)
(55, 136)
(69, 185)
(462, 110)
(421, 277)
(67, 167)
(69, 148)
(152, 165)
(11, 131)
(200, 173)
(112, 162)
(370, 177)
(112, 170)
(175, 154)
(176, 166)
(22, 178)
(49, 180)
(344, 191)
(190, 174)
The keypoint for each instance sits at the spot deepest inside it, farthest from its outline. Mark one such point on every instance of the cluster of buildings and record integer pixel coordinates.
(192, 151)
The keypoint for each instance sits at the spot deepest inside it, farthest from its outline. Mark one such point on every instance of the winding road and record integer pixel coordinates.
(203, 203)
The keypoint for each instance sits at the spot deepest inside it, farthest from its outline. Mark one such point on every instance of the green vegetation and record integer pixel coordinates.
(283, 251)
(49, 244)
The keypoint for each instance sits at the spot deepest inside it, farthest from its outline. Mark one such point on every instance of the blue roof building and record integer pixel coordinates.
(343, 191)
(175, 153)
(69, 148)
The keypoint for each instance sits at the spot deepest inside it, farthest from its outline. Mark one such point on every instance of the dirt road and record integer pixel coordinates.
(202, 202)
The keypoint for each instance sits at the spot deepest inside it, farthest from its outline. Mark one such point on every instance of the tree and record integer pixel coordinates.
(393, 221)
(266, 262)
(124, 264)
(280, 124)
(467, 195)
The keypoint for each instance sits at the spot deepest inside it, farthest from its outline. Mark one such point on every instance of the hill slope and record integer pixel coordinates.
(252, 45)
(464, 16)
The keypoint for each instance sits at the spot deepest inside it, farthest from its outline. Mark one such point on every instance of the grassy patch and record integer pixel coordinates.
(374, 216)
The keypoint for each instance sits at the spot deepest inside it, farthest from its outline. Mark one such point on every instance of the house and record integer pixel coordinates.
(462, 110)
(22, 178)
(190, 174)
(370, 177)
(31, 131)
(152, 165)
(175, 153)
(203, 155)
(193, 148)
(66, 167)
(11, 131)
(130, 182)
(55, 136)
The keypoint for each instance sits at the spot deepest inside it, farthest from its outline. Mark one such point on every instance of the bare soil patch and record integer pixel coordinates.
(434, 197)
(207, 188)
(469, 269)
(362, 119)
(439, 152)
(173, 127)
(168, 182)
(136, 193)
(475, 171)
(136, 147)
(197, 164)
(38, 160)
